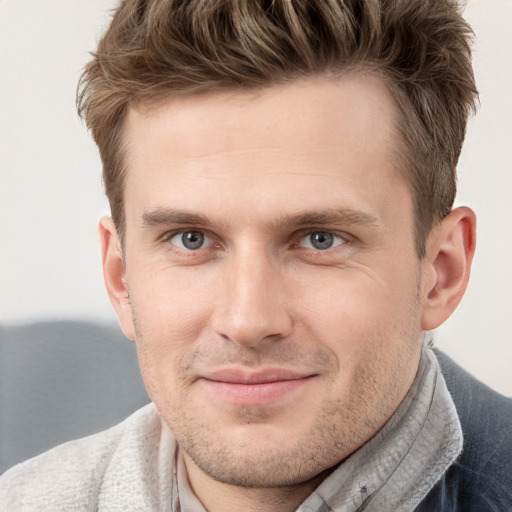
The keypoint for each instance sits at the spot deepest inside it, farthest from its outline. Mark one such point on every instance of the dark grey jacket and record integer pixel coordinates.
(481, 479)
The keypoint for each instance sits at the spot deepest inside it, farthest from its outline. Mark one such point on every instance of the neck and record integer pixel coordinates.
(221, 497)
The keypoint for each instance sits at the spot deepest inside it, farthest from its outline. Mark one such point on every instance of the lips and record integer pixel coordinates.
(255, 387)
(235, 376)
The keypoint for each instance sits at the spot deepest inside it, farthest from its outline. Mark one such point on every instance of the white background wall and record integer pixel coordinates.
(51, 195)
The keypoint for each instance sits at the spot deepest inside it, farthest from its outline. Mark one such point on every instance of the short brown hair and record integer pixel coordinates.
(154, 49)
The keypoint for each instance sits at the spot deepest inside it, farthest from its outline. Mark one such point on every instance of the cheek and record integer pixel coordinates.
(170, 311)
(162, 346)
(171, 301)
(353, 312)
(372, 328)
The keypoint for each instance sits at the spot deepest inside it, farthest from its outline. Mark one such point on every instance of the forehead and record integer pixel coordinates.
(317, 137)
(313, 110)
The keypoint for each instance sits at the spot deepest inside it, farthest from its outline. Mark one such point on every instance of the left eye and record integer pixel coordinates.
(321, 240)
(190, 240)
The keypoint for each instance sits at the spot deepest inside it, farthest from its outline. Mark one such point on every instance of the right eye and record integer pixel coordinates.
(190, 240)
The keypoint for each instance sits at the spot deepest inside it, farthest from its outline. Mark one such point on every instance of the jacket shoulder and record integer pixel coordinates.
(481, 479)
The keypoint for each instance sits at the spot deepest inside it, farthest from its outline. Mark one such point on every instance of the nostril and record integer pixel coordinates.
(253, 327)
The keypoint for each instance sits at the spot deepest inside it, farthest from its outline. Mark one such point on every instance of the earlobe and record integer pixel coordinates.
(114, 274)
(450, 250)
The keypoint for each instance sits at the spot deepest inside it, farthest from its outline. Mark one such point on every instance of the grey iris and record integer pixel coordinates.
(322, 241)
(192, 239)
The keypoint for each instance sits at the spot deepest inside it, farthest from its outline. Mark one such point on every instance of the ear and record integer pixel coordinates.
(450, 249)
(114, 274)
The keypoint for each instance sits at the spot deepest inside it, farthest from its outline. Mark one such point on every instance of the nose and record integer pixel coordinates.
(252, 307)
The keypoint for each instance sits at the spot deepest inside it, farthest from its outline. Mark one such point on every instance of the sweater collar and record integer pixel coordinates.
(396, 468)
(399, 465)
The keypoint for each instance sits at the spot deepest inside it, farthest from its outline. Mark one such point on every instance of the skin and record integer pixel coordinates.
(271, 358)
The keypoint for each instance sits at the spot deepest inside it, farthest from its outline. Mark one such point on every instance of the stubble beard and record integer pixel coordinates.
(341, 426)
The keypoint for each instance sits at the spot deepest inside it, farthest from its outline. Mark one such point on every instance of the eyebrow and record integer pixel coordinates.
(167, 216)
(344, 216)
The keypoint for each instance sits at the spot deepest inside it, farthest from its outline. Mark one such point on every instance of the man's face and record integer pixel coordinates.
(275, 291)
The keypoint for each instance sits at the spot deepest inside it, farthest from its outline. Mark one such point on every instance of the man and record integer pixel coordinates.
(281, 177)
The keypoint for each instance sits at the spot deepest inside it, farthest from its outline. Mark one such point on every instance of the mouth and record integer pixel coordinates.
(242, 387)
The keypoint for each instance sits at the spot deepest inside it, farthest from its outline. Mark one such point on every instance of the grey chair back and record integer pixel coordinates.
(60, 381)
